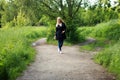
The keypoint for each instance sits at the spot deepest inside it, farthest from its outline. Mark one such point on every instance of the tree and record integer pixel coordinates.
(67, 9)
(30, 8)
(1, 10)
(64, 8)
(12, 8)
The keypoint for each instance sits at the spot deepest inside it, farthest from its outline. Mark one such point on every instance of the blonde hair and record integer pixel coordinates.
(59, 18)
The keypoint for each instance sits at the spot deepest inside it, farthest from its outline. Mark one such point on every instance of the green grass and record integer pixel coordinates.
(99, 43)
(108, 38)
(110, 58)
(109, 30)
(16, 51)
(86, 31)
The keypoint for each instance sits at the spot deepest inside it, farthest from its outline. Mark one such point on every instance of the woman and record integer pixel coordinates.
(60, 33)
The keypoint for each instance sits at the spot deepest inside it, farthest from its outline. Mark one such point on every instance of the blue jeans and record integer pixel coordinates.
(60, 44)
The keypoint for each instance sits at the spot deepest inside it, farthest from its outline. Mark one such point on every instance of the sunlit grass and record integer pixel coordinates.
(108, 38)
(16, 51)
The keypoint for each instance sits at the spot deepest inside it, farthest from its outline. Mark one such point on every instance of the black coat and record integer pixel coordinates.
(59, 34)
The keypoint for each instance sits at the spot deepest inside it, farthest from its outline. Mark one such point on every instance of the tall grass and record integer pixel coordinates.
(109, 30)
(110, 33)
(86, 31)
(110, 58)
(16, 51)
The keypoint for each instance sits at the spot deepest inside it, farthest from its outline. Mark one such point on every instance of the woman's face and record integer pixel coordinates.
(58, 20)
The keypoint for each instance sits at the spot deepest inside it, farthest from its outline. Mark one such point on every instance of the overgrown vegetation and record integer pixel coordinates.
(15, 42)
(75, 13)
(96, 45)
(109, 30)
(16, 51)
(110, 58)
(107, 36)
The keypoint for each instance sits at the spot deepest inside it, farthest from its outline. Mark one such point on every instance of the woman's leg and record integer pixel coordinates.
(60, 44)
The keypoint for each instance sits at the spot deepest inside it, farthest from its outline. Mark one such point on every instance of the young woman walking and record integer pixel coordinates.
(60, 33)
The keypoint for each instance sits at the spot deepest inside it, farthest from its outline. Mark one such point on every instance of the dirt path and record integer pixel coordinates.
(72, 65)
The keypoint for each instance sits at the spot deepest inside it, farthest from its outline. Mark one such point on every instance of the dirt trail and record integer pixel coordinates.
(72, 65)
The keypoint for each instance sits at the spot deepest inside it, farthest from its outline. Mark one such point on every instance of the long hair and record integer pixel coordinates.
(59, 18)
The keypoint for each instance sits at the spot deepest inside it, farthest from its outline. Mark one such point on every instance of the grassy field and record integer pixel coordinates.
(16, 51)
(107, 37)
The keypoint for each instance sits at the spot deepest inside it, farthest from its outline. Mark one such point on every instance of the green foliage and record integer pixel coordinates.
(16, 51)
(28, 10)
(51, 31)
(109, 33)
(22, 20)
(98, 44)
(44, 21)
(72, 34)
(8, 12)
(10, 24)
(109, 30)
(110, 58)
(86, 31)
(96, 15)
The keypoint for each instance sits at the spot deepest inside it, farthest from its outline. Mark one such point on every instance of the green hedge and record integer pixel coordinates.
(16, 51)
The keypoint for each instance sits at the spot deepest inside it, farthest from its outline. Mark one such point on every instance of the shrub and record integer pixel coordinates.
(72, 34)
(109, 30)
(43, 21)
(22, 20)
(85, 31)
(16, 51)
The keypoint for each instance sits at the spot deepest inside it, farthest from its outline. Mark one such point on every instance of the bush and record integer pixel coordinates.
(72, 34)
(109, 30)
(51, 31)
(43, 21)
(20, 20)
(85, 31)
(16, 51)
(71, 31)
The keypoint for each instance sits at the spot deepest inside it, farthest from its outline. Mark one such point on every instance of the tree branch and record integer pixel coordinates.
(46, 5)
(70, 9)
(78, 7)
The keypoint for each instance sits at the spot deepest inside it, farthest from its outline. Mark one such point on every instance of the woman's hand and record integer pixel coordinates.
(63, 32)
